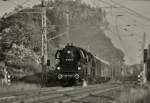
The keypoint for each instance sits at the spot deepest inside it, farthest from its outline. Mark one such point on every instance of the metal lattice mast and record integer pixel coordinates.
(44, 33)
(44, 42)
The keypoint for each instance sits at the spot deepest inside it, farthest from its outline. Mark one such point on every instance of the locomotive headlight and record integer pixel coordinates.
(8, 76)
(139, 76)
(58, 68)
(68, 51)
(79, 68)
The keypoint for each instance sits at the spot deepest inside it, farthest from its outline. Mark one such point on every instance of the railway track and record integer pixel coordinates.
(59, 95)
(22, 92)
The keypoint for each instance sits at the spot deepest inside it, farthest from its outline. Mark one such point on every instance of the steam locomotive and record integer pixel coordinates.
(75, 64)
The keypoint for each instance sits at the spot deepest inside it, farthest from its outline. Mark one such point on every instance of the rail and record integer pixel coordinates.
(58, 94)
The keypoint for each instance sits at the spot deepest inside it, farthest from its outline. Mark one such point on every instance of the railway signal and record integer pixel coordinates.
(6, 78)
(140, 79)
(147, 63)
(143, 61)
(145, 55)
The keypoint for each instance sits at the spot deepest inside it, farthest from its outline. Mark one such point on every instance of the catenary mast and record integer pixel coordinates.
(44, 41)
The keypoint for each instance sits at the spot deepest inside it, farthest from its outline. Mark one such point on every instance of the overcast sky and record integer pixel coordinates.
(131, 36)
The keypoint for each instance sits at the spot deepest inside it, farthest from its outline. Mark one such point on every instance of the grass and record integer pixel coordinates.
(18, 87)
(133, 95)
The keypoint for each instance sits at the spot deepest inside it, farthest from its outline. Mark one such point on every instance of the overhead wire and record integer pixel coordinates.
(125, 9)
(17, 4)
(101, 0)
(91, 26)
(142, 25)
(126, 20)
(136, 13)
(135, 19)
(18, 8)
(130, 10)
(119, 37)
(139, 25)
(59, 35)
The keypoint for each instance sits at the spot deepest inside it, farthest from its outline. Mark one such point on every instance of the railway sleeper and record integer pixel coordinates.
(78, 101)
(103, 96)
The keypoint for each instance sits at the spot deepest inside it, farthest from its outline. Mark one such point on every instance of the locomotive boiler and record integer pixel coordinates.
(76, 64)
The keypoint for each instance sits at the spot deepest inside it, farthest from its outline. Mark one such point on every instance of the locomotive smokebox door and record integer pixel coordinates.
(48, 62)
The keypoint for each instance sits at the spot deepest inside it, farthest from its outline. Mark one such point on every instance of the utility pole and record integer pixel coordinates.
(44, 42)
(112, 69)
(68, 24)
(119, 70)
(143, 64)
